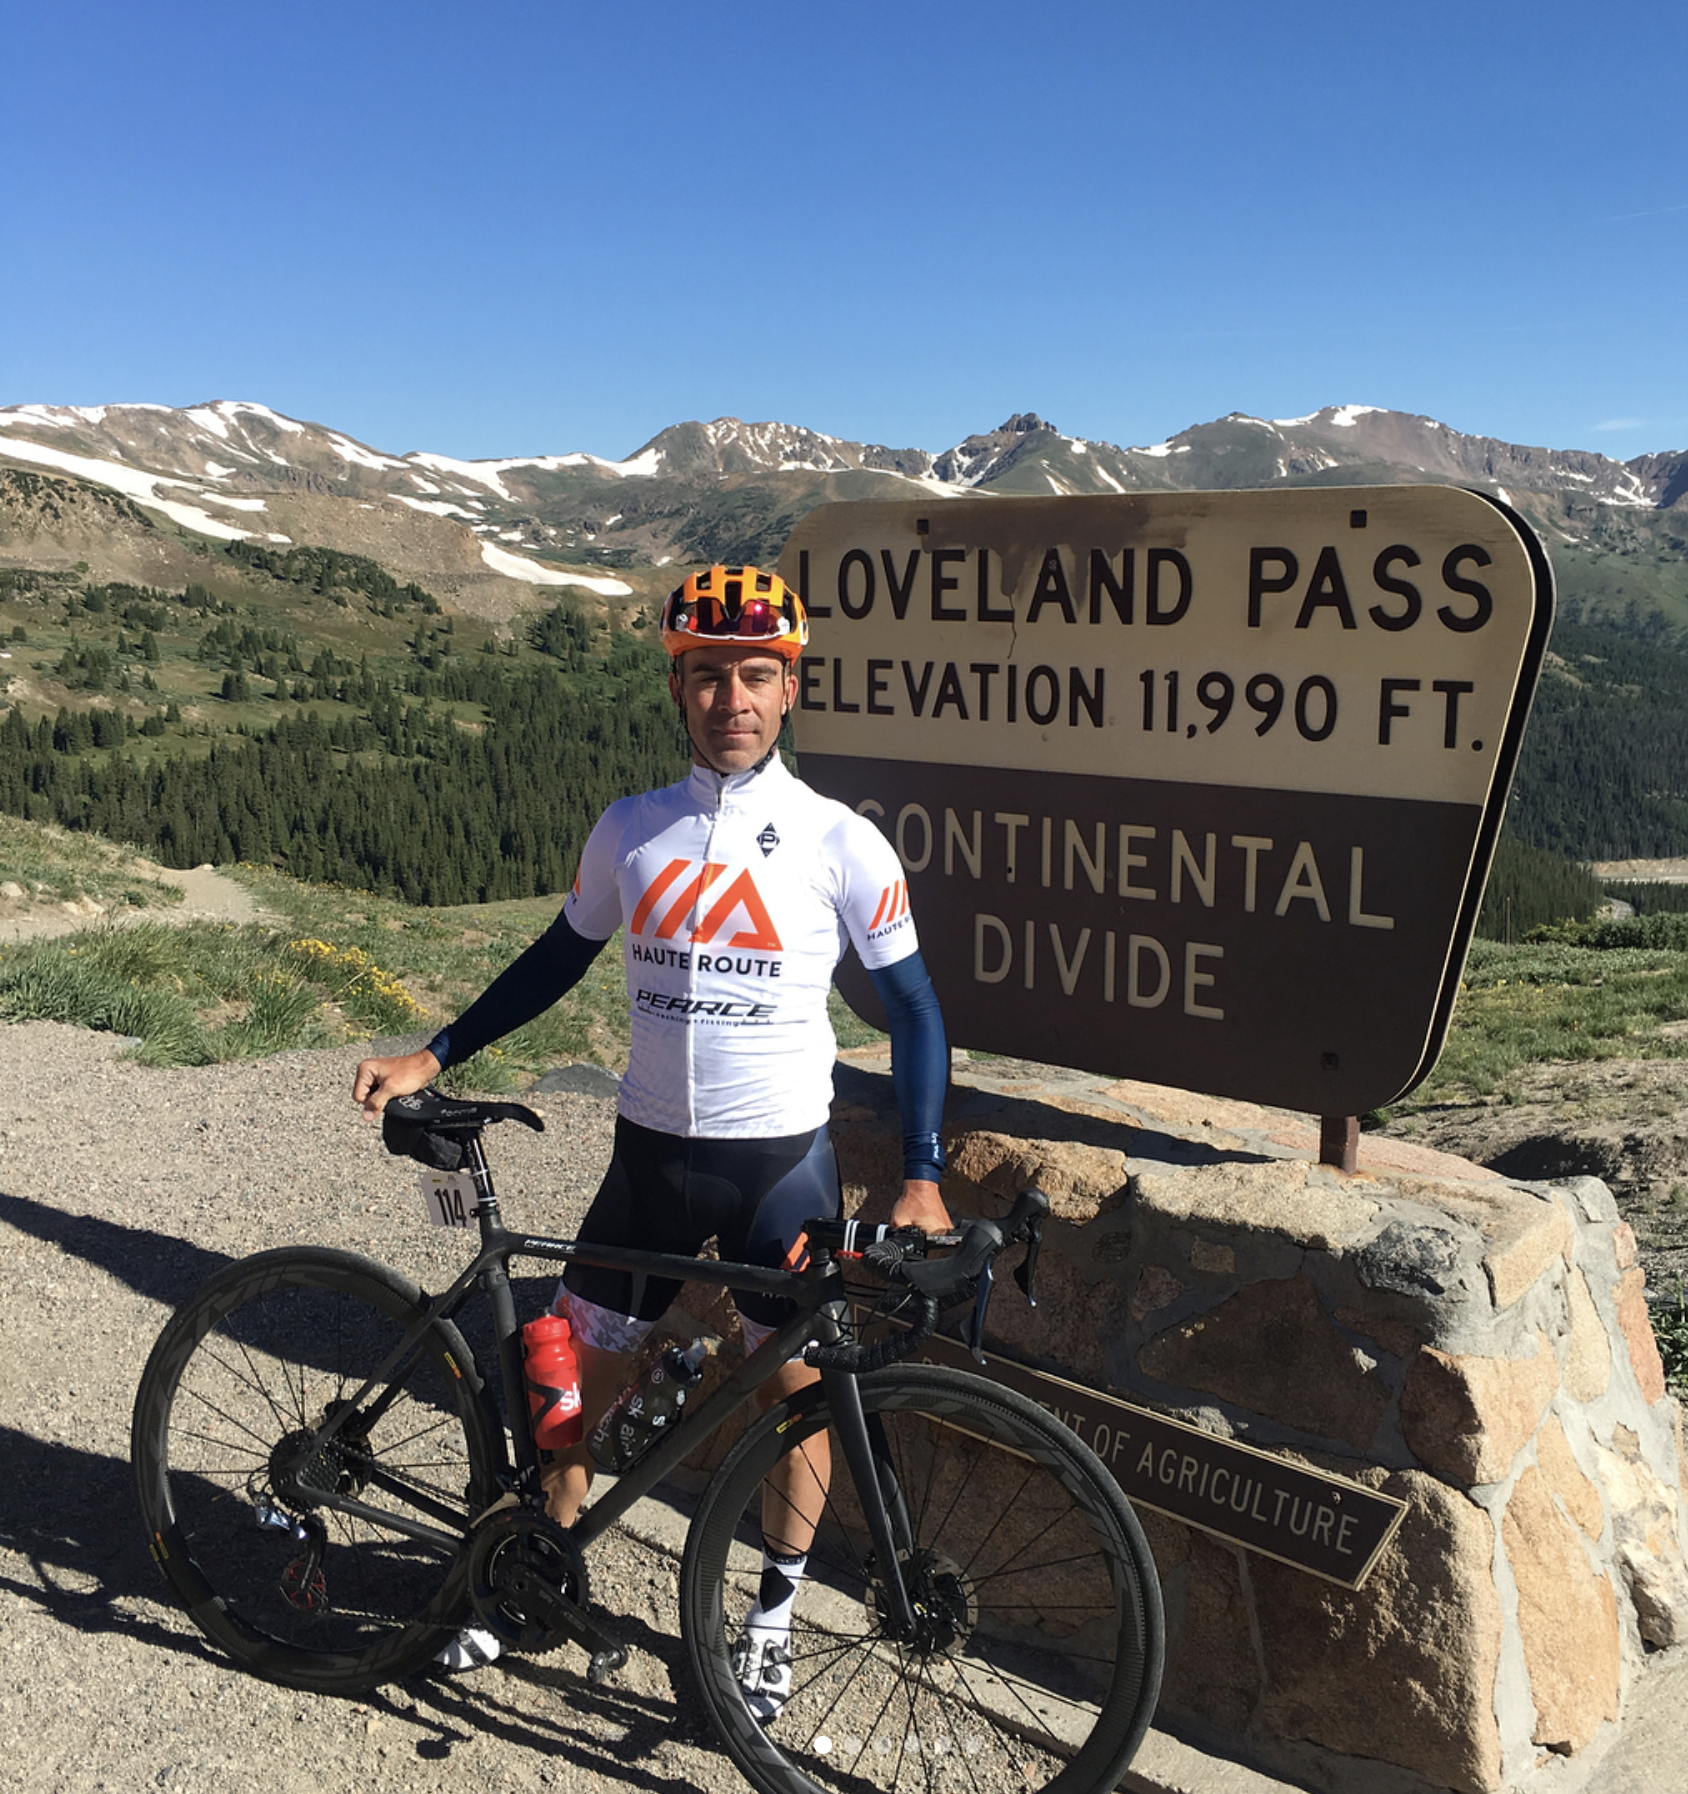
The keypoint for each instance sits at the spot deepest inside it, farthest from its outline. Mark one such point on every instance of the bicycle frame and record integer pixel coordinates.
(820, 1298)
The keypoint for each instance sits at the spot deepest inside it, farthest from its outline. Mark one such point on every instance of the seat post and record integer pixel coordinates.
(486, 1197)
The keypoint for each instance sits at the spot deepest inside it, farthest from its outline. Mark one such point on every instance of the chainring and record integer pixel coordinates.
(526, 1574)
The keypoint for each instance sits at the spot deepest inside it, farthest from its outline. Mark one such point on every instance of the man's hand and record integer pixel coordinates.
(378, 1081)
(921, 1206)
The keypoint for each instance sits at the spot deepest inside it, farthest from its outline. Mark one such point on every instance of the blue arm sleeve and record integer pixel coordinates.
(527, 987)
(919, 1061)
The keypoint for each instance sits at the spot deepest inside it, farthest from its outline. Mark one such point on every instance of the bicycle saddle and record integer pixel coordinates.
(434, 1129)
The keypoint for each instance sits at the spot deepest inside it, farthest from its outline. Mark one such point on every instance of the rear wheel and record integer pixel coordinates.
(1035, 1655)
(244, 1374)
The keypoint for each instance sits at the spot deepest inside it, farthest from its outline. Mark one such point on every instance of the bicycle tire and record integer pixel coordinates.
(254, 1359)
(1040, 1662)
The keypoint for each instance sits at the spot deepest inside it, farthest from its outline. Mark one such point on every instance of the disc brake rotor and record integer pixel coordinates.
(946, 1610)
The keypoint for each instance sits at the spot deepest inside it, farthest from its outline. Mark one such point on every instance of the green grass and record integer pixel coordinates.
(340, 966)
(1670, 1329)
(1544, 1001)
(54, 865)
(337, 966)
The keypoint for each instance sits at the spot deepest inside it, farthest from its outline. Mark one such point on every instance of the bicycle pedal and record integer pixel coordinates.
(604, 1664)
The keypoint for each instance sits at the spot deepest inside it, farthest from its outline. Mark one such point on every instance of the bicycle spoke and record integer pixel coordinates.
(1020, 1668)
(236, 1479)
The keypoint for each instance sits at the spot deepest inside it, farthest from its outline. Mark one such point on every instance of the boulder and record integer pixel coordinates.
(1567, 1619)
(1270, 1348)
(1402, 1671)
(1468, 1417)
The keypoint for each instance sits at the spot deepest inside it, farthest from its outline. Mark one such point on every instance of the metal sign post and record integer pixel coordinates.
(1198, 788)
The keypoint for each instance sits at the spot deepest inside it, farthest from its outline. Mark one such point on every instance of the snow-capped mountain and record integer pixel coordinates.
(730, 489)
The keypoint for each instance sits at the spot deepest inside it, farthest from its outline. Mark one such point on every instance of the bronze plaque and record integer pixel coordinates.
(1326, 1525)
(1199, 788)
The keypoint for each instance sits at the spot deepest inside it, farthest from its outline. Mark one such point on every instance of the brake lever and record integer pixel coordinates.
(973, 1334)
(1025, 1272)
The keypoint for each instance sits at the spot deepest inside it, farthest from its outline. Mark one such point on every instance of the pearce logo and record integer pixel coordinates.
(679, 897)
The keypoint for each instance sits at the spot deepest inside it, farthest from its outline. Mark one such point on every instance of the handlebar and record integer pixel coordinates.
(899, 1253)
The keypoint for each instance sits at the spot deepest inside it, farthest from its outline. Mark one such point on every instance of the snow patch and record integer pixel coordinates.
(1103, 474)
(638, 467)
(1076, 446)
(483, 473)
(286, 541)
(348, 450)
(142, 487)
(208, 420)
(436, 507)
(215, 472)
(515, 566)
(236, 504)
(1346, 416)
(57, 417)
(489, 473)
(234, 407)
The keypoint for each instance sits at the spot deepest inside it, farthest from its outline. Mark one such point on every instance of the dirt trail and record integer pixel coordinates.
(208, 896)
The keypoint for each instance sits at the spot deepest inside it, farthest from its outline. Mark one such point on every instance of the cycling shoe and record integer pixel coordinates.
(470, 1649)
(762, 1663)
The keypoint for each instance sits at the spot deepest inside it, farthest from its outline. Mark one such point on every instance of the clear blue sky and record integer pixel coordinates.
(513, 228)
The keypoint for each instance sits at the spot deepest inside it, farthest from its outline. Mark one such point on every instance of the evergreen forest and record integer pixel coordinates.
(429, 774)
(302, 709)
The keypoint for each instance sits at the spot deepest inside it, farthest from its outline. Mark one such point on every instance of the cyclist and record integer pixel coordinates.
(738, 890)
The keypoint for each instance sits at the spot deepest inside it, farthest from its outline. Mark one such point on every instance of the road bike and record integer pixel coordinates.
(332, 1489)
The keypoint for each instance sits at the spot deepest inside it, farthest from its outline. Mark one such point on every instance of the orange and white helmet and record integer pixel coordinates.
(735, 604)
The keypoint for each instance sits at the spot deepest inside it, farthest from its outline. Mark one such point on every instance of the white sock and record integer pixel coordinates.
(469, 1649)
(780, 1579)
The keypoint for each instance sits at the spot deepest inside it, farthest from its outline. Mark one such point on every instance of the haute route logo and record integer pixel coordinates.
(679, 897)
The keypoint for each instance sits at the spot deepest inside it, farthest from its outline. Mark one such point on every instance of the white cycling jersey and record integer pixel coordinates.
(738, 896)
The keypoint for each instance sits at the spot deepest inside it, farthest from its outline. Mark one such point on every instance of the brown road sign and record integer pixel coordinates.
(1200, 788)
(1327, 1525)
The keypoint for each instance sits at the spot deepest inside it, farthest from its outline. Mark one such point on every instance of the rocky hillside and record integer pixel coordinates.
(480, 532)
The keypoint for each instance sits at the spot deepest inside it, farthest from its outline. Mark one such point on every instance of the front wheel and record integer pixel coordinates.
(243, 1375)
(1034, 1658)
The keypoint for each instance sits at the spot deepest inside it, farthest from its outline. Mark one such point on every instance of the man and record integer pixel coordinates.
(739, 890)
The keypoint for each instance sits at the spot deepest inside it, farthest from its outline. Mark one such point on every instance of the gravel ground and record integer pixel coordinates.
(120, 1188)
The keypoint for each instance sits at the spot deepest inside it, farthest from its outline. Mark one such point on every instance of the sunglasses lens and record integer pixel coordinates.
(728, 616)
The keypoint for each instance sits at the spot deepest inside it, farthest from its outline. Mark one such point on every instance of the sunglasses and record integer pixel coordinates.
(732, 615)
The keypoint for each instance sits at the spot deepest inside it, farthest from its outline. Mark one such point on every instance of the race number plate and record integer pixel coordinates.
(450, 1196)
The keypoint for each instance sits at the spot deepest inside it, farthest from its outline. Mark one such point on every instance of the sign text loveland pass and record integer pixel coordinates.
(1200, 788)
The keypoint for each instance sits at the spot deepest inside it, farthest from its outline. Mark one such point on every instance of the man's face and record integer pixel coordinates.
(735, 698)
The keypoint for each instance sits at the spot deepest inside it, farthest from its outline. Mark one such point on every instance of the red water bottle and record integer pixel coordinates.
(553, 1383)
